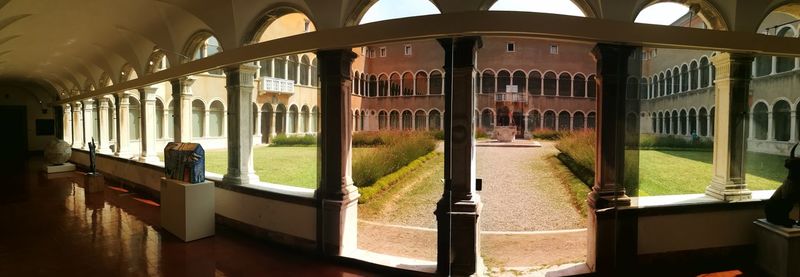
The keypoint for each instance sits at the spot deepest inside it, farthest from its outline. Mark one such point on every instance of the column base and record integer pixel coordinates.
(340, 232)
(608, 198)
(466, 236)
(250, 178)
(728, 191)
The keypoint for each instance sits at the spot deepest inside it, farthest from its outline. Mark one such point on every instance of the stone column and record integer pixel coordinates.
(697, 123)
(770, 130)
(182, 108)
(730, 98)
(77, 125)
(258, 132)
(88, 123)
(752, 130)
(774, 67)
(793, 126)
(708, 124)
(123, 121)
(103, 137)
(272, 123)
(147, 95)
(458, 210)
(339, 196)
(606, 244)
(68, 124)
(239, 84)
(206, 115)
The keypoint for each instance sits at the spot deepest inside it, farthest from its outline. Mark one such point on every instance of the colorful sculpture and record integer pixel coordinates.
(786, 196)
(185, 162)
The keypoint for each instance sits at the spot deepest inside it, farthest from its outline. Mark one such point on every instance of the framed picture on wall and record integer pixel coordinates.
(45, 127)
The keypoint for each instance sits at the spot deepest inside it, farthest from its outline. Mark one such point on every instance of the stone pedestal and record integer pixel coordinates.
(187, 210)
(94, 183)
(778, 249)
(505, 133)
(65, 167)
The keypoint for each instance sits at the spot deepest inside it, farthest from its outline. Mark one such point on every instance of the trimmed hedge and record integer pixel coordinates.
(395, 150)
(284, 140)
(384, 183)
(650, 141)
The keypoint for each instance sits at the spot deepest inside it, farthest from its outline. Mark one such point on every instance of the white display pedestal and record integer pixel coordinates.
(65, 167)
(187, 210)
(94, 183)
(778, 249)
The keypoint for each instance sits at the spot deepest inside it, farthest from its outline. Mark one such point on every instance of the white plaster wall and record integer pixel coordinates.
(288, 218)
(18, 97)
(689, 231)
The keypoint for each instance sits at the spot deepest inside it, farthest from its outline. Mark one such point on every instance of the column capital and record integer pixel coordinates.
(335, 61)
(148, 93)
(240, 76)
(182, 85)
(103, 102)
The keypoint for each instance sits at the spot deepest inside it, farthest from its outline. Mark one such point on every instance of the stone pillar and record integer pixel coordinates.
(607, 243)
(103, 137)
(77, 125)
(68, 124)
(182, 109)
(147, 95)
(239, 85)
(796, 63)
(793, 126)
(774, 67)
(752, 130)
(123, 121)
(339, 197)
(458, 210)
(708, 124)
(88, 122)
(272, 123)
(731, 98)
(257, 130)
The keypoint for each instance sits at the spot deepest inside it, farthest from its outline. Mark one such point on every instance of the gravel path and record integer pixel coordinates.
(521, 191)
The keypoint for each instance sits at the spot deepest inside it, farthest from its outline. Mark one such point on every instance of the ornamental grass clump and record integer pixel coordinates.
(395, 150)
(578, 154)
(284, 140)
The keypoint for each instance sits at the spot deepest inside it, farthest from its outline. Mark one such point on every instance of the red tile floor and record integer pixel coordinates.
(51, 227)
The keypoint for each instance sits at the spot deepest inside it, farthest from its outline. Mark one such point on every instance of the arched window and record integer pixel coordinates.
(579, 86)
(692, 122)
(436, 82)
(704, 68)
(562, 7)
(503, 80)
(784, 64)
(356, 118)
(280, 119)
(675, 122)
(781, 113)
(314, 73)
(683, 122)
(654, 122)
(198, 118)
(280, 67)
(134, 119)
(170, 120)
(564, 121)
(712, 121)
(361, 123)
(703, 114)
(662, 84)
(487, 82)
(394, 84)
(654, 86)
(356, 81)
(643, 88)
(305, 66)
(487, 120)
(394, 120)
(693, 75)
(684, 78)
(383, 85)
(591, 121)
(362, 84)
(434, 120)
(407, 120)
(535, 83)
(518, 79)
(408, 83)
(419, 120)
(591, 87)
(669, 82)
(550, 84)
(292, 68)
(676, 80)
(763, 65)
(534, 120)
(314, 119)
(291, 122)
(578, 121)
(564, 85)
(760, 119)
(422, 83)
(373, 85)
(206, 47)
(550, 120)
(216, 119)
(159, 119)
(305, 119)
(382, 120)
(667, 123)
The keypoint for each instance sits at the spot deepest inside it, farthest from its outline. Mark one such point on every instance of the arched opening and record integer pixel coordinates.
(421, 87)
(781, 113)
(683, 122)
(436, 83)
(676, 126)
(487, 81)
(198, 118)
(434, 120)
(578, 121)
(292, 120)
(159, 119)
(408, 84)
(550, 83)
(305, 119)
(394, 120)
(534, 120)
(667, 123)
(383, 85)
(591, 87)
(562, 7)
(564, 85)
(503, 116)
(550, 120)
(266, 122)
(535, 83)
(280, 119)
(684, 78)
(591, 120)
(216, 119)
(693, 75)
(760, 119)
(704, 72)
(703, 122)
(564, 121)
(503, 81)
(134, 118)
(407, 120)
(683, 13)
(579, 86)
(305, 67)
(518, 80)
(692, 122)
(393, 9)
(419, 121)
(394, 84)
(382, 120)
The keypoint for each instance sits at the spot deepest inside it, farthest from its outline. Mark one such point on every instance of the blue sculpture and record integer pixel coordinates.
(185, 162)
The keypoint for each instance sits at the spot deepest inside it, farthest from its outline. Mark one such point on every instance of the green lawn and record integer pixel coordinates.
(684, 172)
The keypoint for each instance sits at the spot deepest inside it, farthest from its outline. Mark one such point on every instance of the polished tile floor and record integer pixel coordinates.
(51, 227)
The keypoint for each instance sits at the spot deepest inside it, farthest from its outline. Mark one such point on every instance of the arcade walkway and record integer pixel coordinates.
(51, 228)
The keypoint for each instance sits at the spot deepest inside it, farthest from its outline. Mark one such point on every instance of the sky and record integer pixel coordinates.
(661, 13)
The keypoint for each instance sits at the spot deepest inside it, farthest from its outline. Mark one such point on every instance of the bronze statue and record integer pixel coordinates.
(92, 158)
(786, 196)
